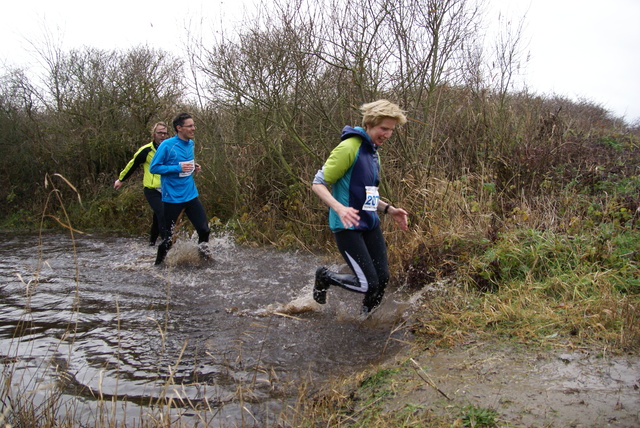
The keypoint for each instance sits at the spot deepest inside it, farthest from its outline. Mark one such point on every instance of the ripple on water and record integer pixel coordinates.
(191, 329)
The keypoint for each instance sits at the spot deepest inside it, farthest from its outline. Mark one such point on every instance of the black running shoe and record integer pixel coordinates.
(321, 286)
(367, 311)
(205, 251)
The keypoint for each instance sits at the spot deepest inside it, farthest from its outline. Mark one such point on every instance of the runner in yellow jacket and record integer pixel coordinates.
(151, 182)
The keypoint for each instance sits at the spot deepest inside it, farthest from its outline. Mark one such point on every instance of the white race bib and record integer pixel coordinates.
(186, 174)
(371, 201)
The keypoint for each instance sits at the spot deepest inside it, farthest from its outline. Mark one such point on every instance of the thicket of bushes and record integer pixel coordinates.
(476, 161)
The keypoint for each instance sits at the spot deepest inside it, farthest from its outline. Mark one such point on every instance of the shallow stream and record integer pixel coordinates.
(90, 324)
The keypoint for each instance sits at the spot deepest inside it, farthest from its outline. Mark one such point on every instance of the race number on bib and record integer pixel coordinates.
(371, 201)
(186, 174)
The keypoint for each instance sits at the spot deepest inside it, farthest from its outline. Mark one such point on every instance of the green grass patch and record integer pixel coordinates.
(478, 417)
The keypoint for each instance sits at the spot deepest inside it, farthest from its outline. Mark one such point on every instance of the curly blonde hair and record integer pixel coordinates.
(375, 112)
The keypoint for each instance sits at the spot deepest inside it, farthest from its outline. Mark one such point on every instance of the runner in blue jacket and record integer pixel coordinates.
(175, 162)
(353, 173)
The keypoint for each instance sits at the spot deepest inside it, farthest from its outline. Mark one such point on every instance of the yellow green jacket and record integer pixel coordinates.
(142, 157)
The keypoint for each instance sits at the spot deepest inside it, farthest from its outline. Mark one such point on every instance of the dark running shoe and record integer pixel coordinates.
(162, 253)
(366, 312)
(205, 251)
(321, 286)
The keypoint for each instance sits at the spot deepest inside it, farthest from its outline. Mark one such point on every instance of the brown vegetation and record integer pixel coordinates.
(475, 162)
(532, 199)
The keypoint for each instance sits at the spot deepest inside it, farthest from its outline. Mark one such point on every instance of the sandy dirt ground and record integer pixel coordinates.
(527, 388)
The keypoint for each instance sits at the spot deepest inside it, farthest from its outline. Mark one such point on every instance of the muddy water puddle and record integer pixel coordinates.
(92, 323)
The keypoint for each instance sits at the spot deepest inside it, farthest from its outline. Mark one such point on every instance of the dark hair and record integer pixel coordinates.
(179, 120)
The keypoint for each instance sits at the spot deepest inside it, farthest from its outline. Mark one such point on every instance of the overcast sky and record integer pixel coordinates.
(582, 49)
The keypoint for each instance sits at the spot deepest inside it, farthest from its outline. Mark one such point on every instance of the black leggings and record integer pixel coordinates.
(366, 254)
(158, 227)
(195, 213)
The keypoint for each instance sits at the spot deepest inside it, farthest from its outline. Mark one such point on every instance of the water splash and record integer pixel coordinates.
(203, 332)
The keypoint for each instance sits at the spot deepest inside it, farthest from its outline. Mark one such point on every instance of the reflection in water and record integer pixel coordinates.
(102, 324)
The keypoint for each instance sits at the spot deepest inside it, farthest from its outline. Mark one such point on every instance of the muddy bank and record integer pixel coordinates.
(526, 388)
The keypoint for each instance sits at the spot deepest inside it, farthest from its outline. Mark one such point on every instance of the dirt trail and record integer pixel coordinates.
(528, 388)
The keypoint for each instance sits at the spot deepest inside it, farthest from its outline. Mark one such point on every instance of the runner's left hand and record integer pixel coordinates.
(400, 216)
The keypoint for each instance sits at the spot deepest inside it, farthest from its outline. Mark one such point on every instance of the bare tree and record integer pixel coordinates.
(100, 103)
